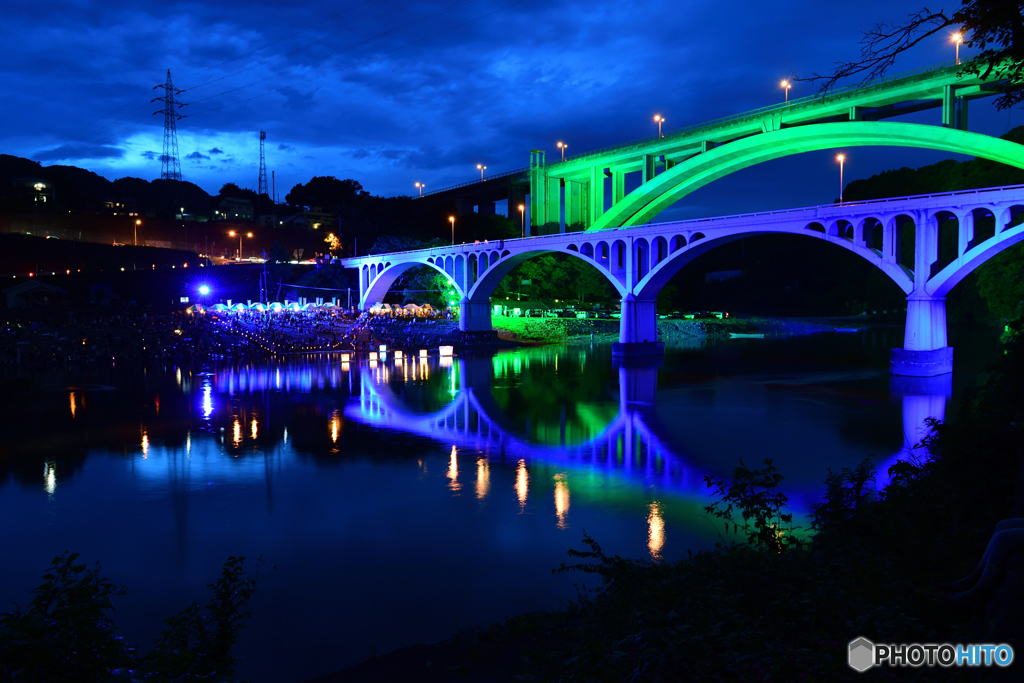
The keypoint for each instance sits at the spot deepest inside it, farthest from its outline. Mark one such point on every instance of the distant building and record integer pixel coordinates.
(234, 209)
(31, 189)
(314, 219)
(33, 293)
(119, 206)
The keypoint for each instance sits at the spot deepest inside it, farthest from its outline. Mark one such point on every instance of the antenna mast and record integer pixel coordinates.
(263, 167)
(170, 167)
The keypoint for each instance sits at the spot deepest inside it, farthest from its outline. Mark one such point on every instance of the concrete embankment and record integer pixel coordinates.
(548, 330)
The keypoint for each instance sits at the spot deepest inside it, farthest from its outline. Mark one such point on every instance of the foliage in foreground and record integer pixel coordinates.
(778, 609)
(66, 632)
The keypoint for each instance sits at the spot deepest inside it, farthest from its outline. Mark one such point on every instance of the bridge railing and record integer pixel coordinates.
(783, 106)
(474, 182)
(710, 219)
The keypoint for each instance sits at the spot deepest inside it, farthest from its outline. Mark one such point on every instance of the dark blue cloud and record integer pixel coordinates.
(391, 93)
(73, 151)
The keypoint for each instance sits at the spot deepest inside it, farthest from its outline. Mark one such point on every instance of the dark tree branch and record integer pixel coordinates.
(880, 46)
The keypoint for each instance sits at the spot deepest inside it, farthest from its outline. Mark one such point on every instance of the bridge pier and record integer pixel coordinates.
(475, 316)
(638, 329)
(924, 352)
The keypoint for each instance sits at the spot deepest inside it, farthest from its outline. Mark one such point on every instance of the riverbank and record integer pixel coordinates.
(555, 330)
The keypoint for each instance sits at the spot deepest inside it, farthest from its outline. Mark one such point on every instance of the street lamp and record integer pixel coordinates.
(522, 218)
(957, 38)
(659, 120)
(481, 168)
(786, 85)
(420, 186)
(135, 236)
(841, 158)
(232, 234)
(562, 146)
(451, 219)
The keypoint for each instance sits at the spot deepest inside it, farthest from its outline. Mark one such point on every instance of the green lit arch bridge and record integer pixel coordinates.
(639, 261)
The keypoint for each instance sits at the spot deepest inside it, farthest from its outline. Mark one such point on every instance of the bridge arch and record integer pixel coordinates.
(948, 277)
(663, 190)
(485, 286)
(380, 285)
(649, 287)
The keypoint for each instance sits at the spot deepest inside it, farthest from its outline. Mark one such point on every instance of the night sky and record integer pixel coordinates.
(391, 92)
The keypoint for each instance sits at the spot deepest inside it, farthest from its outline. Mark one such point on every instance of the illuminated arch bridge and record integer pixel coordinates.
(640, 261)
(611, 230)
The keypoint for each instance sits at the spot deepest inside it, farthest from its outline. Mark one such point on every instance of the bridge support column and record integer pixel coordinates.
(638, 329)
(538, 191)
(618, 186)
(924, 352)
(596, 194)
(475, 316)
(575, 206)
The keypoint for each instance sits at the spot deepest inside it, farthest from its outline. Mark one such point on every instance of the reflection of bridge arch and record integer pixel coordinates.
(633, 442)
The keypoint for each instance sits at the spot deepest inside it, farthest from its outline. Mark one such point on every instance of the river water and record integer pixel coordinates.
(402, 500)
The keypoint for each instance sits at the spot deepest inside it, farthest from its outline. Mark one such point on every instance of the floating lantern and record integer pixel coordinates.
(398, 355)
(345, 357)
(373, 355)
(445, 350)
(423, 353)
(383, 348)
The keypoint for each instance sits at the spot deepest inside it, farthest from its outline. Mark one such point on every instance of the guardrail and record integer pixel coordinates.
(474, 182)
(710, 219)
(689, 130)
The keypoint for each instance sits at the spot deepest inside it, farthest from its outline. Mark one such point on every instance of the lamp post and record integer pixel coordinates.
(451, 219)
(481, 168)
(562, 146)
(420, 186)
(786, 85)
(958, 38)
(522, 218)
(135, 234)
(659, 120)
(232, 234)
(841, 158)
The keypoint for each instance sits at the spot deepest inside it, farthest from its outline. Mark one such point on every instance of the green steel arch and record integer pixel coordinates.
(654, 196)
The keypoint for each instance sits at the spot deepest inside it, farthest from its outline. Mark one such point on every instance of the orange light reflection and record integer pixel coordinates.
(655, 530)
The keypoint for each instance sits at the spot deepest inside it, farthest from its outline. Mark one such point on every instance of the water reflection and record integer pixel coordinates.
(72, 405)
(588, 445)
(483, 477)
(50, 477)
(522, 484)
(561, 500)
(655, 530)
(453, 471)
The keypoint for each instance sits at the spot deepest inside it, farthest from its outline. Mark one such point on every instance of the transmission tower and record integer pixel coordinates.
(170, 167)
(263, 167)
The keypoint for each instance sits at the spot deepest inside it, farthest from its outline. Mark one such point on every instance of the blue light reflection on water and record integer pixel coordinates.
(403, 499)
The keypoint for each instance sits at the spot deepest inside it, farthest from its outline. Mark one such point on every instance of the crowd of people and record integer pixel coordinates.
(104, 336)
(321, 330)
(100, 335)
